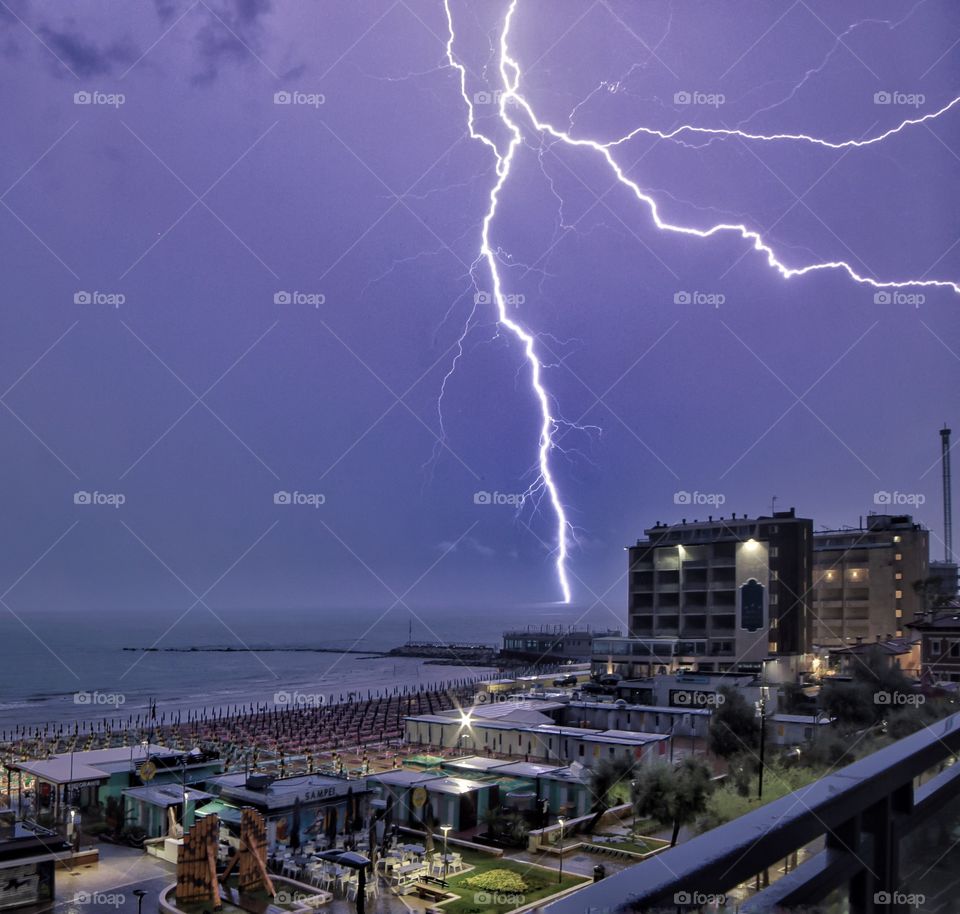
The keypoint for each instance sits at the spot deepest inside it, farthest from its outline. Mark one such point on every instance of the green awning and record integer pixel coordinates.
(427, 761)
(226, 812)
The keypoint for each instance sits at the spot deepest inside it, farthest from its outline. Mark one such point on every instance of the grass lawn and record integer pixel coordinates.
(635, 845)
(540, 883)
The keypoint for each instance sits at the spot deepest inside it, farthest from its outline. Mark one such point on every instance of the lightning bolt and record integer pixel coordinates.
(509, 96)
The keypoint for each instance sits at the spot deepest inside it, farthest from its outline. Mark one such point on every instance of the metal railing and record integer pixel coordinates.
(862, 811)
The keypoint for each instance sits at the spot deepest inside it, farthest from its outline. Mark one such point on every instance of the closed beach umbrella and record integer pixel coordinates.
(332, 826)
(295, 826)
(429, 823)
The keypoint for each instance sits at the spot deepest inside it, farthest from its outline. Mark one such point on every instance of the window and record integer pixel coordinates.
(774, 551)
(898, 557)
(896, 539)
(934, 647)
(898, 576)
(955, 648)
(898, 594)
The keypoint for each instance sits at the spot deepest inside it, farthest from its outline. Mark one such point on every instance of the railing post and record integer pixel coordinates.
(847, 839)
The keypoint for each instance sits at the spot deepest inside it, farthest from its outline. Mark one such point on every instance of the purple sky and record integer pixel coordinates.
(805, 389)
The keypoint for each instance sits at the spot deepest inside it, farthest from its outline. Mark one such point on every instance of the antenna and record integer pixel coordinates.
(947, 495)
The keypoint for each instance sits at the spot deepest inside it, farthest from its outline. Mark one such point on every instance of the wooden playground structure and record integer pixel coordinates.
(197, 878)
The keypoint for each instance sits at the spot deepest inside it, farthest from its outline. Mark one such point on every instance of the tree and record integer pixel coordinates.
(849, 703)
(733, 725)
(673, 795)
(875, 688)
(610, 780)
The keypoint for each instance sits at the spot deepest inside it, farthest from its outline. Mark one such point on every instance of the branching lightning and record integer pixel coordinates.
(510, 100)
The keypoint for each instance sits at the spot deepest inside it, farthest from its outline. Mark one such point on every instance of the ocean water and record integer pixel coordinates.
(62, 667)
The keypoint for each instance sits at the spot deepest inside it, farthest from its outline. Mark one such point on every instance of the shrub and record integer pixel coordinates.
(498, 881)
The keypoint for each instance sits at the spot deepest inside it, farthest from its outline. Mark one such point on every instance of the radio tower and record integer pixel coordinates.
(947, 496)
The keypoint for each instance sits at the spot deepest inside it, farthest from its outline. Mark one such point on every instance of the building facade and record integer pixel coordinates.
(868, 580)
(939, 647)
(553, 643)
(738, 589)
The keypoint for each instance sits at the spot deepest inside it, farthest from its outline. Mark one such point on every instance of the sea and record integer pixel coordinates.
(59, 667)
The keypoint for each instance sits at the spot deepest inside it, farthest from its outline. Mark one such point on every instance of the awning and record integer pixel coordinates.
(226, 812)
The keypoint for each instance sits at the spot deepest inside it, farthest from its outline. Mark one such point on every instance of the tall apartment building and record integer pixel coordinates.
(864, 579)
(736, 589)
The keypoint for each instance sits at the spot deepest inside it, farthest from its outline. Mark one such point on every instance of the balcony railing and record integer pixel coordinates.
(862, 811)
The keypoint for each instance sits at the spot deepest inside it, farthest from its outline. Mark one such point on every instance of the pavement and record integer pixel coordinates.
(108, 886)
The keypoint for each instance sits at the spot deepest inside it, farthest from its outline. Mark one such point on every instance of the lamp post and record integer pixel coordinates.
(762, 713)
(446, 831)
(562, 822)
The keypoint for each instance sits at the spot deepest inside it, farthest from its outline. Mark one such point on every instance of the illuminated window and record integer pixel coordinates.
(896, 539)
(899, 576)
(898, 557)
(898, 594)
(899, 613)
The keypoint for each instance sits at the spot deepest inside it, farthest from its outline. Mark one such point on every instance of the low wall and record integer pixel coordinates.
(456, 842)
(544, 838)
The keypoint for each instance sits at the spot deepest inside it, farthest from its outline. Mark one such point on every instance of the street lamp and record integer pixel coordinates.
(562, 822)
(762, 714)
(446, 831)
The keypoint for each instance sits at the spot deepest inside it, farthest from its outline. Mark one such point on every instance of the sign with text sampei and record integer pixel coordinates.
(751, 605)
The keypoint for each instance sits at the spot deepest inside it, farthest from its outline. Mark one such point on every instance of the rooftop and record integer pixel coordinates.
(165, 795)
(92, 765)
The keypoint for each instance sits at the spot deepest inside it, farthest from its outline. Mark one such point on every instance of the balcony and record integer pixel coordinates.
(859, 815)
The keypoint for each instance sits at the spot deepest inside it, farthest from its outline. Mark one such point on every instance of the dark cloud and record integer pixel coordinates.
(232, 33)
(84, 56)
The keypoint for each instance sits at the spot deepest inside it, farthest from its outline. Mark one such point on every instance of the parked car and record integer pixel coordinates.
(570, 680)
